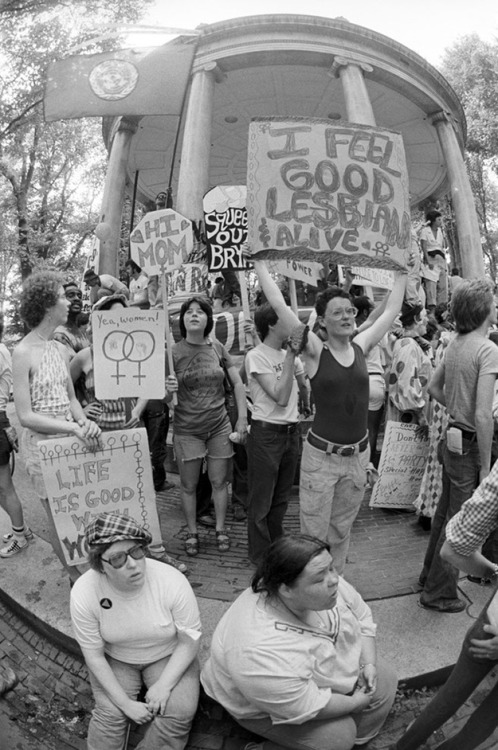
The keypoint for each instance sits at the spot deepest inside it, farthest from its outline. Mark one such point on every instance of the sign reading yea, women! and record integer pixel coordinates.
(81, 484)
(128, 353)
(323, 191)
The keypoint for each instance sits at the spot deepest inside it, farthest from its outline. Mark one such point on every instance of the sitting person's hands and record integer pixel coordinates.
(138, 712)
(157, 697)
(361, 698)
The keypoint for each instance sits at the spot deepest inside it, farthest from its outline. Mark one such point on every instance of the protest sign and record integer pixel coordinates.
(128, 353)
(323, 191)
(225, 223)
(81, 484)
(401, 467)
(161, 241)
(188, 281)
(374, 276)
(300, 270)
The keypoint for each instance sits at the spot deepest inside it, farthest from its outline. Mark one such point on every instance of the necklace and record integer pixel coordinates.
(40, 336)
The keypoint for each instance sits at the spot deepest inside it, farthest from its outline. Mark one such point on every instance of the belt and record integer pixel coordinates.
(467, 434)
(287, 429)
(341, 450)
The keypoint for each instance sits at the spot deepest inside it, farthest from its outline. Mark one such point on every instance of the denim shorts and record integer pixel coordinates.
(215, 444)
(5, 446)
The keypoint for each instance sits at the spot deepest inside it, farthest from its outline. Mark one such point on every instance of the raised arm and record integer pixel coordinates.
(368, 338)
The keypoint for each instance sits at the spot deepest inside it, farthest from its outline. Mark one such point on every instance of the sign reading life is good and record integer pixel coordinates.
(225, 222)
(81, 484)
(319, 191)
(161, 241)
(128, 353)
(401, 467)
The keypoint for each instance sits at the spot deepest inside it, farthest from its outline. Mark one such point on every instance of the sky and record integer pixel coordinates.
(425, 26)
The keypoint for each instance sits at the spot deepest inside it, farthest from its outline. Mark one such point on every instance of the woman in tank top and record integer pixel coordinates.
(43, 390)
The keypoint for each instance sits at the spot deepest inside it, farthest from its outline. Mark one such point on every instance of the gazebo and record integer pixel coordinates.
(285, 66)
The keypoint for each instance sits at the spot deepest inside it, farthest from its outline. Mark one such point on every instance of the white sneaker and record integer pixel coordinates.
(30, 537)
(16, 545)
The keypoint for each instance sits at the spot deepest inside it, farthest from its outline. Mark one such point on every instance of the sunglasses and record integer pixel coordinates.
(120, 558)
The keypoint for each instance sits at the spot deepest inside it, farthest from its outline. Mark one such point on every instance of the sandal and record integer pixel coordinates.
(192, 544)
(222, 540)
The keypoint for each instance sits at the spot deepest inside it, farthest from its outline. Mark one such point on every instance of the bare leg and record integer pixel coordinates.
(218, 472)
(9, 500)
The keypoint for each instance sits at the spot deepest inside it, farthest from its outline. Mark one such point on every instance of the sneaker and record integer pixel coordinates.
(13, 548)
(30, 537)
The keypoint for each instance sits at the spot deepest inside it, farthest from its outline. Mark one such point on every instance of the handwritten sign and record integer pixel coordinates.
(225, 223)
(300, 270)
(128, 353)
(401, 467)
(374, 276)
(161, 241)
(191, 279)
(81, 484)
(323, 191)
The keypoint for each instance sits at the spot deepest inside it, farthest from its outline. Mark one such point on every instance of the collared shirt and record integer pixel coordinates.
(477, 518)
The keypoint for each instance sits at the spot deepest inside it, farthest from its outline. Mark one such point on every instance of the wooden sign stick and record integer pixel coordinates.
(244, 298)
(169, 338)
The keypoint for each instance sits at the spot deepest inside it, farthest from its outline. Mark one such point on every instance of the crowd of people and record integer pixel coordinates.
(294, 659)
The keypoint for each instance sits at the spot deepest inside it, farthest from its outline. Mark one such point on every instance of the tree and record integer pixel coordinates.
(50, 173)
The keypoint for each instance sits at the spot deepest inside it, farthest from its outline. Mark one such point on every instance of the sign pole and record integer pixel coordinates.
(293, 295)
(169, 338)
(244, 298)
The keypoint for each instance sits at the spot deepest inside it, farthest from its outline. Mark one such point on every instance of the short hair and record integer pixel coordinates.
(363, 304)
(39, 293)
(264, 317)
(95, 552)
(409, 314)
(134, 266)
(442, 313)
(432, 215)
(471, 304)
(324, 298)
(67, 284)
(455, 271)
(284, 561)
(205, 307)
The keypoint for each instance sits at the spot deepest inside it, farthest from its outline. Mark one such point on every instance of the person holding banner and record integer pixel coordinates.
(137, 623)
(43, 390)
(336, 452)
(201, 424)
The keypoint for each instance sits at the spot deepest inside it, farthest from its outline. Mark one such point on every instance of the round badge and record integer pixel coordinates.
(105, 603)
(113, 79)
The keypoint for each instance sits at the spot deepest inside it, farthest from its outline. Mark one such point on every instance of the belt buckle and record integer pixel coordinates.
(346, 450)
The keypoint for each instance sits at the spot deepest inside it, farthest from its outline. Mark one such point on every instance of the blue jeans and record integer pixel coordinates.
(467, 673)
(271, 465)
(156, 420)
(460, 479)
(169, 731)
(332, 734)
(330, 494)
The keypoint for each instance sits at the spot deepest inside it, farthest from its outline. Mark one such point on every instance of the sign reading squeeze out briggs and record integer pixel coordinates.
(319, 191)
(225, 222)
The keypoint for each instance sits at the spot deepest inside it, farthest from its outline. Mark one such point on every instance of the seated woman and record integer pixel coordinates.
(294, 658)
(136, 621)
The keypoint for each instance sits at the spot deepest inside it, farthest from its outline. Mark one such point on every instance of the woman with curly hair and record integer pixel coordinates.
(201, 423)
(43, 390)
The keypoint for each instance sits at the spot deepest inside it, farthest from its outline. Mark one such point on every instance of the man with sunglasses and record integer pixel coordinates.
(136, 621)
(336, 452)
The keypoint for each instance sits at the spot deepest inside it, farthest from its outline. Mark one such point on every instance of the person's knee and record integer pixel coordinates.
(218, 483)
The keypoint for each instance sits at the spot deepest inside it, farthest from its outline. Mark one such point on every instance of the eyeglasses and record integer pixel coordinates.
(119, 559)
(349, 311)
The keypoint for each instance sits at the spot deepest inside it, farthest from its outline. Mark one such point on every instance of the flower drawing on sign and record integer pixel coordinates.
(136, 346)
(113, 79)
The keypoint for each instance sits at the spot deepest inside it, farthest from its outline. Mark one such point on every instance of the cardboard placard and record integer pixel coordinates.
(401, 467)
(323, 191)
(225, 223)
(81, 484)
(128, 353)
(299, 270)
(161, 241)
(377, 277)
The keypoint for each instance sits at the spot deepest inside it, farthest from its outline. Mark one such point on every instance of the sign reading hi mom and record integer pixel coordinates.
(81, 484)
(319, 191)
(161, 241)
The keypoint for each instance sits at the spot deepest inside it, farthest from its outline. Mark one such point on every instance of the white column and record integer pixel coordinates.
(469, 236)
(114, 193)
(193, 179)
(358, 105)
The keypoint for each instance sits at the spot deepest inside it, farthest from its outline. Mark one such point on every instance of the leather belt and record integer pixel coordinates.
(341, 450)
(287, 429)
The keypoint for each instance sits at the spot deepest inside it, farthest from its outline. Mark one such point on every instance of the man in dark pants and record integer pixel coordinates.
(156, 420)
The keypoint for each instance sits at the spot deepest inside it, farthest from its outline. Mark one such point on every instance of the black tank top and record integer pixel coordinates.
(341, 398)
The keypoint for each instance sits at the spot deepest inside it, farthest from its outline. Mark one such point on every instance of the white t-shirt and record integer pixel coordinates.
(264, 662)
(264, 360)
(136, 628)
(5, 376)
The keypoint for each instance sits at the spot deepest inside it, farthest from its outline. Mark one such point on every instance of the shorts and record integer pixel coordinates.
(377, 394)
(215, 445)
(32, 460)
(5, 446)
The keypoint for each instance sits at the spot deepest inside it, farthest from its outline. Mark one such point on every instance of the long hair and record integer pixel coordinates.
(285, 560)
(205, 307)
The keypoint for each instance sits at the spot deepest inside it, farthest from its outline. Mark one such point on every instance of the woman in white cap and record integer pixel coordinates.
(137, 622)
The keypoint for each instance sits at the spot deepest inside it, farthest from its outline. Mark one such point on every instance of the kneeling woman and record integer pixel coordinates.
(136, 621)
(294, 658)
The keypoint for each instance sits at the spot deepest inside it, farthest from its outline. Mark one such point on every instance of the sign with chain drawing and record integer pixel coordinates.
(128, 353)
(322, 191)
(401, 467)
(81, 484)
